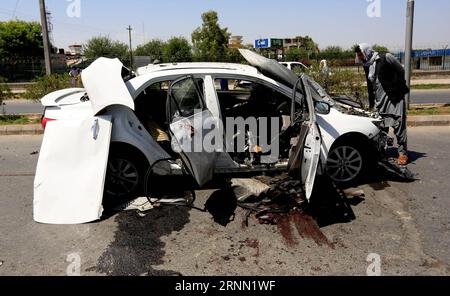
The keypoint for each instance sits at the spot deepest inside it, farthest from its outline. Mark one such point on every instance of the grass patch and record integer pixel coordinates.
(431, 86)
(443, 110)
(18, 119)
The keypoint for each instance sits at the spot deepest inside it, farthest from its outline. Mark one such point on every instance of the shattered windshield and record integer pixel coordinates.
(318, 93)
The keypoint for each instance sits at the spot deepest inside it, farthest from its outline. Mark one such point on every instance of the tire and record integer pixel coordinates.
(124, 175)
(347, 163)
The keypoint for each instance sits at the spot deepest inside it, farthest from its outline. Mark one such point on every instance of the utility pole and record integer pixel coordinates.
(131, 49)
(445, 57)
(48, 63)
(408, 46)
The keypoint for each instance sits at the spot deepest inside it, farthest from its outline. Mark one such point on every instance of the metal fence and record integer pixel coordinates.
(27, 69)
(18, 70)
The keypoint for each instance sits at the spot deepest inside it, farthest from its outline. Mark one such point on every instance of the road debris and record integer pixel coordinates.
(249, 187)
(284, 205)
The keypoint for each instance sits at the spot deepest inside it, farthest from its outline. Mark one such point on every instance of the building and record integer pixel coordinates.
(235, 42)
(437, 59)
(292, 43)
(76, 49)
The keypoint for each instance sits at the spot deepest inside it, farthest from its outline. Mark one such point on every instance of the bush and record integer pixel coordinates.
(47, 84)
(341, 81)
(5, 91)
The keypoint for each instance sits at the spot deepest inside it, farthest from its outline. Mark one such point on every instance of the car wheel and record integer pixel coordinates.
(346, 163)
(124, 176)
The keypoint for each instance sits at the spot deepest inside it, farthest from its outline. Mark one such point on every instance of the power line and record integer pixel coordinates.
(15, 9)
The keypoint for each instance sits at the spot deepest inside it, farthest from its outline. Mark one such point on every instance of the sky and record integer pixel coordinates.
(328, 22)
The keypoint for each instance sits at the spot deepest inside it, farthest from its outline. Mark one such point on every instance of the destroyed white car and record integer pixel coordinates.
(104, 140)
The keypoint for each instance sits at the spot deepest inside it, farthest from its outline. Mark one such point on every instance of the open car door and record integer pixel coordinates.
(193, 128)
(311, 145)
(306, 152)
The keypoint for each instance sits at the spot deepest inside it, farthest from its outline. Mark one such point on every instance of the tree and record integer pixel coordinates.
(380, 48)
(308, 44)
(295, 54)
(152, 49)
(20, 39)
(210, 40)
(331, 52)
(105, 47)
(177, 49)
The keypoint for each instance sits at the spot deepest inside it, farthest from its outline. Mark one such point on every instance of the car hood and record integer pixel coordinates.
(105, 86)
(270, 68)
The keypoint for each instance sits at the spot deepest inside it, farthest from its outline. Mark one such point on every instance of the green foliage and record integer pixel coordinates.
(177, 49)
(17, 119)
(380, 48)
(331, 52)
(45, 85)
(336, 53)
(308, 44)
(20, 39)
(234, 56)
(105, 47)
(210, 40)
(340, 81)
(5, 91)
(295, 54)
(153, 49)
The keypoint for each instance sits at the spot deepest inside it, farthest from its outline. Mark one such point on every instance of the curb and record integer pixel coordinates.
(432, 120)
(17, 130)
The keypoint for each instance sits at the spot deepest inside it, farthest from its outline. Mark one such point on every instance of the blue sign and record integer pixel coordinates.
(262, 43)
(430, 53)
(425, 53)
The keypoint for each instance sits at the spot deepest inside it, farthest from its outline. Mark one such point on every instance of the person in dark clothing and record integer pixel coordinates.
(387, 89)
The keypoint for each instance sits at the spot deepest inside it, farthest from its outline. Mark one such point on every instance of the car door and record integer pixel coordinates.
(70, 175)
(305, 155)
(311, 144)
(193, 128)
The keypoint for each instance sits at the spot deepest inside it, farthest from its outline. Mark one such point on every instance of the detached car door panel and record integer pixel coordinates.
(70, 176)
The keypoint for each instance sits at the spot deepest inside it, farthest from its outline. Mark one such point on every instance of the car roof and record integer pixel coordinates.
(152, 72)
(210, 67)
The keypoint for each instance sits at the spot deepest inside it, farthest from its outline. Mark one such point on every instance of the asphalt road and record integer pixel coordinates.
(417, 97)
(435, 96)
(406, 224)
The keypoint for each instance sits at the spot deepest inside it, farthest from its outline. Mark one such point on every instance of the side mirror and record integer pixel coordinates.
(322, 107)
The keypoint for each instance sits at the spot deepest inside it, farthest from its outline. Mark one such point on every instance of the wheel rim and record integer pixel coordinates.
(123, 177)
(344, 164)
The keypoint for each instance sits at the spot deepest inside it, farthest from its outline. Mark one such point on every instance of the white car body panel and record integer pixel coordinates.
(67, 96)
(336, 124)
(70, 176)
(104, 85)
(129, 130)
